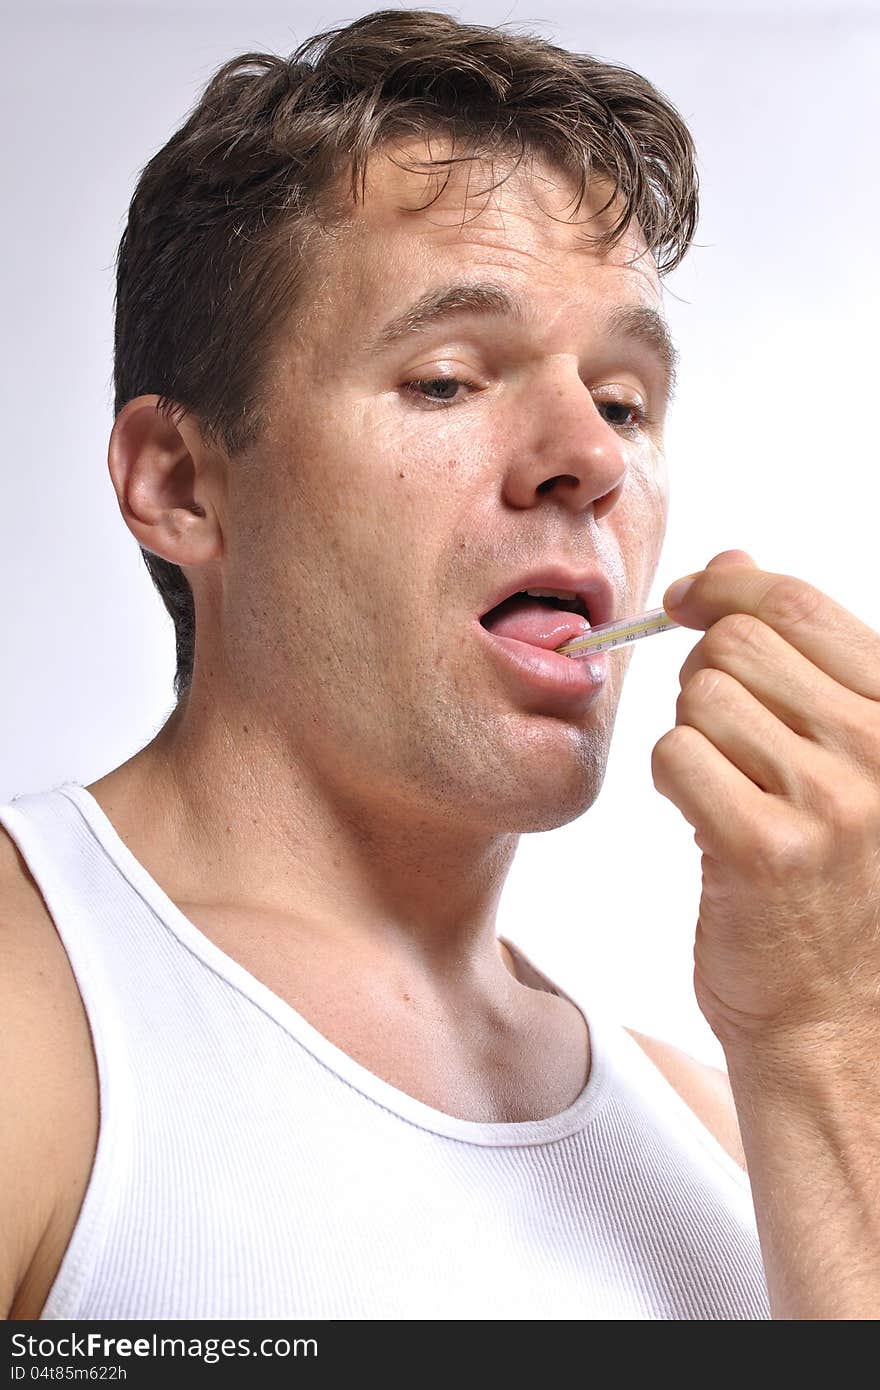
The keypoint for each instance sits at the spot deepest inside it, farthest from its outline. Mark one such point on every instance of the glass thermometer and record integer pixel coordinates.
(616, 634)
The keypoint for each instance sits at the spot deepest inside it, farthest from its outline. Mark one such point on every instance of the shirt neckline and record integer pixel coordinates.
(502, 1133)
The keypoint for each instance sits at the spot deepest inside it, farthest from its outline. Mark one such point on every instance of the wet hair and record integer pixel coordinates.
(214, 259)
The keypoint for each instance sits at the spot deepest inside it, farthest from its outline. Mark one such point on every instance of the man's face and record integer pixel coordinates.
(371, 526)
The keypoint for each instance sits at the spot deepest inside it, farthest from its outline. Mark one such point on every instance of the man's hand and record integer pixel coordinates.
(775, 762)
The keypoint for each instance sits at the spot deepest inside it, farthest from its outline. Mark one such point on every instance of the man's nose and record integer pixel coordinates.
(565, 449)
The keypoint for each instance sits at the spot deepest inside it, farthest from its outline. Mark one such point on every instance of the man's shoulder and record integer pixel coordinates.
(703, 1088)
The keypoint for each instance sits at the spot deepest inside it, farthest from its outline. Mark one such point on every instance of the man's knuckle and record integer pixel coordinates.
(672, 746)
(784, 847)
(790, 601)
(852, 812)
(731, 633)
(709, 684)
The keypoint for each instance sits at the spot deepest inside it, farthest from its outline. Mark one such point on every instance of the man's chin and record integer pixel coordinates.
(536, 822)
(547, 808)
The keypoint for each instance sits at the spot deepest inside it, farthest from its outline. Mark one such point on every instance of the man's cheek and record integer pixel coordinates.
(646, 510)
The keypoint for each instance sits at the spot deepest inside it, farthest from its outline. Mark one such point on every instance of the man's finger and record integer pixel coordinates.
(823, 631)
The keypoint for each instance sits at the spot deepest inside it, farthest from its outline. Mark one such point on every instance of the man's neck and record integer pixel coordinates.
(238, 827)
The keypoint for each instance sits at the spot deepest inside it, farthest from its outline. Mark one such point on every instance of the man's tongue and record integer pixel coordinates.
(533, 621)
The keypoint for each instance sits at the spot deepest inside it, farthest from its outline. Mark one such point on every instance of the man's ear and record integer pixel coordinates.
(168, 483)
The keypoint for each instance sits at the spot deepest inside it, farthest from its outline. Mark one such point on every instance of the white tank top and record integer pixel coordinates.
(246, 1167)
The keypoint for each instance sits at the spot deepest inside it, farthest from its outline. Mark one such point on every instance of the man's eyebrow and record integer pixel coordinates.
(640, 322)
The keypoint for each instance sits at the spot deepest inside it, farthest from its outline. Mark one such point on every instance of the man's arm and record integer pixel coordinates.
(817, 1201)
(811, 1131)
(47, 1119)
(25, 1196)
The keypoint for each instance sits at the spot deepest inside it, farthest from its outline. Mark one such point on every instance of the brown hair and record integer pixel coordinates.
(213, 258)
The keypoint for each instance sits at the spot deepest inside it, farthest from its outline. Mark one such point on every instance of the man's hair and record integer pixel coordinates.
(213, 261)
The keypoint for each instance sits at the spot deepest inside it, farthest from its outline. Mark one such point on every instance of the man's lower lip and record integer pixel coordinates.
(563, 680)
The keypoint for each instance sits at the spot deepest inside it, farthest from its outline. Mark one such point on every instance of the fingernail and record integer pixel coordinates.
(676, 592)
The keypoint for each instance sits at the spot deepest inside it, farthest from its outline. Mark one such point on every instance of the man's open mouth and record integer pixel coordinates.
(543, 619)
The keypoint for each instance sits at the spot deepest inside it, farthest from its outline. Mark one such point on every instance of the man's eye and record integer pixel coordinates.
(639, 420)
(449, 384)
(416, 388)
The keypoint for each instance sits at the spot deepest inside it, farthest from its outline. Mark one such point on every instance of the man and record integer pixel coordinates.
(329, 1089)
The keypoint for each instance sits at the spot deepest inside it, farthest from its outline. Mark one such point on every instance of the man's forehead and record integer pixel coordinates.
(482, 198)
(403, 238)
(383, 262)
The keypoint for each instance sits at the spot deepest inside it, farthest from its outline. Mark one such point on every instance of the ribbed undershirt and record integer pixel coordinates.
(247, 1167)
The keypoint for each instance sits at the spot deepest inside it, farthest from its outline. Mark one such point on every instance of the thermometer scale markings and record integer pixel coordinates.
(617, 634)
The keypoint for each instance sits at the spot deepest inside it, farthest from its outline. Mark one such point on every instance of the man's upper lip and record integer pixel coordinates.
(591, 586)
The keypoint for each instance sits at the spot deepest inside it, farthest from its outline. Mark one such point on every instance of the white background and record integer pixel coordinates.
(772, 442)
